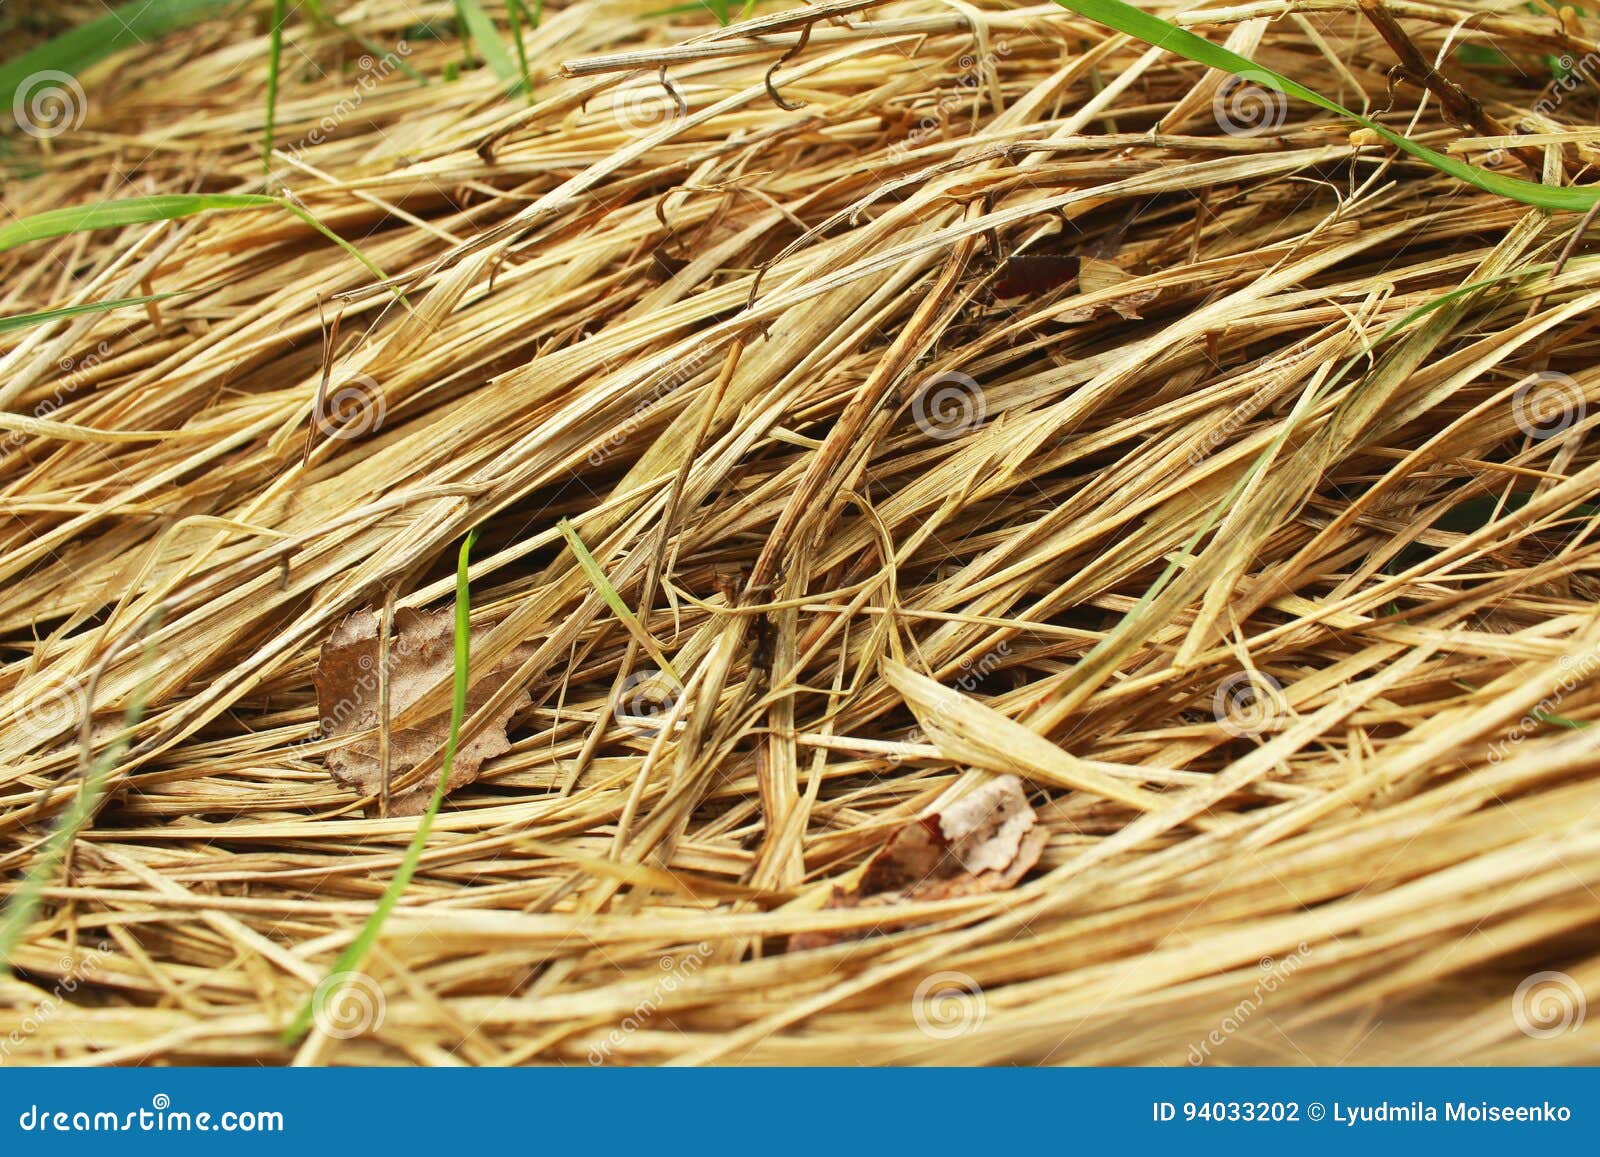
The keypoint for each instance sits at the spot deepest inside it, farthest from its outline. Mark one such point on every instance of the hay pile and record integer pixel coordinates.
(979, 391)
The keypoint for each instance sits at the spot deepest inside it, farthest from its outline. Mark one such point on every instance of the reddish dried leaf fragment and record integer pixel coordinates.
(421, 656)
(1035, 274)
(984, 842)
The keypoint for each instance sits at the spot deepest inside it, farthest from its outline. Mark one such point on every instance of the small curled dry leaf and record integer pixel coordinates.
(421, 657)
(984, 842)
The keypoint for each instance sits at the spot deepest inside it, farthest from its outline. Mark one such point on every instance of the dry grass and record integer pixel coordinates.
(879, 583)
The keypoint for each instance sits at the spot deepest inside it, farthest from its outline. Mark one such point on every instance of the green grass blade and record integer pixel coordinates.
(166, 207)
(19, 913)
(130, 211)
(1157, 32)
(515, 22)
(126, 26)
(486, 39)
(597, 578)
(1459, 292)
(1114, 637)
(274, 63)
(353, 957)
(696, 7)
(305, 215)
(320, 15)
(24, 320)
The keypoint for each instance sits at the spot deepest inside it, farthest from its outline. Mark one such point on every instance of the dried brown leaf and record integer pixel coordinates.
(421, 656)
(984, 842)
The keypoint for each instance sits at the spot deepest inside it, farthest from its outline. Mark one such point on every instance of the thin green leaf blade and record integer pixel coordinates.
(24, 903)
(597, 578)
(274, 65)
(354, 956)
(486, 39)
(116, 214)
(165, 207)
(1159, 33)
(127, 26)
(25, 320)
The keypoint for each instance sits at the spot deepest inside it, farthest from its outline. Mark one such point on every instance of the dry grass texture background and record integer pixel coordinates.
(981, 392)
